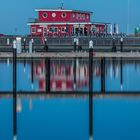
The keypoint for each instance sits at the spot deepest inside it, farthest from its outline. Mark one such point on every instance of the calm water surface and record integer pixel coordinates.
(67, 118)
(31, 75)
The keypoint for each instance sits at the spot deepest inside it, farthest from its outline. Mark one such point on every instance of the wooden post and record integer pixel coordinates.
(47, 64)
(121, 41)
(74, 70)
(121, 73)
(75, 44)
(24, 45)
(90, 90)
(102, 75)
(32, 72)
(46, 46)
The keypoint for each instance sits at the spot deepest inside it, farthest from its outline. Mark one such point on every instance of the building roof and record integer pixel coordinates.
(64, 10)
(58, 23)
(101, 23)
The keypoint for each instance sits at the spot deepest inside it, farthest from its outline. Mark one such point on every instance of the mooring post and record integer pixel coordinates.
(75, 42)
(14, 91)
(103, 75)
(121, 44)
(32, 40)
(30, 47)
(74, 70)
(121, 73)
(32, 72)
(114, 49)
(24, 63)
(24, 45)
(90, 90)
(45, 45)
(47, 65)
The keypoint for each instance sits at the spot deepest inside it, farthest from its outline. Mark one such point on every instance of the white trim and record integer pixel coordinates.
(60, 23)
(45, 13)
(37, 10)
(64, 10)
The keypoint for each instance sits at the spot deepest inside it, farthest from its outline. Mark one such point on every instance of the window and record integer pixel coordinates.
(63, 29)
(53, 15)
(87, 16)
(39, 30)
(55, 29)
(33, 29)
(63, 15)
(83, 17)
(73, 15)
(51, 29)
(77, 16)
(80, 16)
(45, 15)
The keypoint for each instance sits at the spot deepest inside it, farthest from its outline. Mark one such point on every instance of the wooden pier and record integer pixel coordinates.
(72, 55)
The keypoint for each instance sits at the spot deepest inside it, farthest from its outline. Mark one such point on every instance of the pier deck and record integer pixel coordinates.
(73, 54)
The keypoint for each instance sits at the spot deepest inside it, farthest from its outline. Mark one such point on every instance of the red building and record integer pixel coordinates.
(61, 22)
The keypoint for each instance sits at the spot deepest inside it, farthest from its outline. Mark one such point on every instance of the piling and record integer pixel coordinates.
(102, 75)
(30, 46)
(32, 72)
(91, 90)
(74, 71)
(14, 91)
(121, 73)
(24, 45)
(33, 49)
(121, 41)
(47, 65)
(18, 45)
(8, 41)
(75, 42)
(114, 49)
(45, 45)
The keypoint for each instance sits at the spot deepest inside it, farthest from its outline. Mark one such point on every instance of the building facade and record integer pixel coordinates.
(61, 22)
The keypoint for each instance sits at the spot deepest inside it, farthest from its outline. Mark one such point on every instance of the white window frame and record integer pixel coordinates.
(63, 15)
(44, 14)
(53, 15)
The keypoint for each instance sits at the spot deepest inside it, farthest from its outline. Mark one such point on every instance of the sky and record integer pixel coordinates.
(14, 14)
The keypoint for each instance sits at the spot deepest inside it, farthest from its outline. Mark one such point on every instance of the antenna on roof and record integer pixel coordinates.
(62, 5)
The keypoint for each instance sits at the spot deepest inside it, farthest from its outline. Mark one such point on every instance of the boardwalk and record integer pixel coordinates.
(73, 54)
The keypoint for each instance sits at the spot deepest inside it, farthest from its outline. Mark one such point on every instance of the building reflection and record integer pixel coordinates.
(65, 73)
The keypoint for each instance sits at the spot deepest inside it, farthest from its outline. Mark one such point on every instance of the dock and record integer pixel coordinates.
(72, 55)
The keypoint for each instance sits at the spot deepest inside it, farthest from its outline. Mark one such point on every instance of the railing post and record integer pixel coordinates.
(14, 91)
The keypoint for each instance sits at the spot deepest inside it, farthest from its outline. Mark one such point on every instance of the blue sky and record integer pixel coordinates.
(14, 14)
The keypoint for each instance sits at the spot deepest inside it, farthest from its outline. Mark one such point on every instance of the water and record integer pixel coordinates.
(67, 117)
(31, 75)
